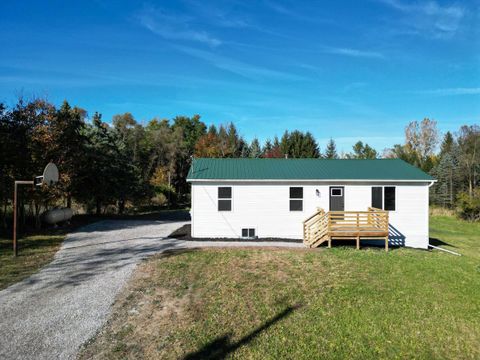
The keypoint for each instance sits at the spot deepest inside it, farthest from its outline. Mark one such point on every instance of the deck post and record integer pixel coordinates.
(304, 233)
(329, 242)
(358, 242)
(386, 243)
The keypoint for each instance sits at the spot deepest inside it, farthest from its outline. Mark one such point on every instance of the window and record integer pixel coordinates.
(384, 197)
(377, 197)
(248, 233)
(296, 199)
(224, 199)
(389, 194)
(336, 191)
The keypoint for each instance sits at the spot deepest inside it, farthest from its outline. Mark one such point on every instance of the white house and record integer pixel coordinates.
(271, 198)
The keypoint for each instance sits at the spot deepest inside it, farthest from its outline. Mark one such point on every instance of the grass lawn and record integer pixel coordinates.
(302, 304)
(34, 252)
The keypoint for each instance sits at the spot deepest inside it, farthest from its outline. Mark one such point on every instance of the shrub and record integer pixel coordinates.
(469, 206)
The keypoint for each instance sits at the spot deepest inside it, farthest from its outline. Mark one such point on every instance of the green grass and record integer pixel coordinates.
(353, 304)
(33, 252)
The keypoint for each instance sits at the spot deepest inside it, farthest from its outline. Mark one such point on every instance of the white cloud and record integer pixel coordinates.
(278, 7)
(428, 18)
(355, 53)
(237, 67)
(451, 91)
(173, 27)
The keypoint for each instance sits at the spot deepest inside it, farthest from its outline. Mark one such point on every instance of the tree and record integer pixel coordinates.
(67, 129)
(421, 140)
(208, 146)
(299, 145)
(448, 144)
(448, 178)
(161, 181)
(273, 150)
(192, 129)
(284, 144)
(401, 152)
(331, 150)
(105, 175)
(7, 152)
(361, 151)
(468, 140)
(233, 148)
(469, 205)
(187, 131)
(255, 149)
(309, 146)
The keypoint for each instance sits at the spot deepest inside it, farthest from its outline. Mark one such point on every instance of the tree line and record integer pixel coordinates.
(123, 164)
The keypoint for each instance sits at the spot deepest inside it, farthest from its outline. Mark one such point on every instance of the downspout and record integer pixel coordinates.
(448, 251)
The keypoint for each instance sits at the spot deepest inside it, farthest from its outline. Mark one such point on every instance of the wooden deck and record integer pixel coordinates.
(345, 225)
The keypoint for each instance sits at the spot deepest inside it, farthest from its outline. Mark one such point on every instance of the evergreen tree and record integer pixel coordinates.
(445, 191)
(310, 147)
(267, 147)
(245, 150)
(331, 150)
(212, 130)
(255, 149)
(274, 151)
(447, 144)
(361, 151)
(284, 144)
(233, 142)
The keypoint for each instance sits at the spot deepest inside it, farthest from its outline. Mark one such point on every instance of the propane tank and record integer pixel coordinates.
(57, 215)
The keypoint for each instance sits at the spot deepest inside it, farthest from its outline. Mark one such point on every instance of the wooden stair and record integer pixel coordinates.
(345, 225)
(315, 229)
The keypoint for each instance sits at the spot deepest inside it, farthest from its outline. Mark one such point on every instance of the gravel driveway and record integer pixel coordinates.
(52, 313)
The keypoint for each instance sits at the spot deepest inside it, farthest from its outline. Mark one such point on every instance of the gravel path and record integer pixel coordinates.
(53, 312)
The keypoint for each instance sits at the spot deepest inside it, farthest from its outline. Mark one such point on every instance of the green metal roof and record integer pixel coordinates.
(304, 169)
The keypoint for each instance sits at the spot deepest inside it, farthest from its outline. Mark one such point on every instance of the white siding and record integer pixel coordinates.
(265, 207)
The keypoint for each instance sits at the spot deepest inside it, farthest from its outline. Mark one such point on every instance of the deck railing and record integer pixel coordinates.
(325, 226)
(315, 227)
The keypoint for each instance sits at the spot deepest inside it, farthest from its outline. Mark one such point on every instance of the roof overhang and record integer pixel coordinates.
(316, 180)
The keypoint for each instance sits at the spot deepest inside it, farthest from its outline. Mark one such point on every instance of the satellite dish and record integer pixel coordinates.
(50, 175)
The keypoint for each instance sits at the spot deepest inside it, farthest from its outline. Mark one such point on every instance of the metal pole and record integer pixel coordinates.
(17, 182)
(15, 220)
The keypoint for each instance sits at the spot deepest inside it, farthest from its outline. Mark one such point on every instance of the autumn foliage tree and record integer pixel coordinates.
(124, 164)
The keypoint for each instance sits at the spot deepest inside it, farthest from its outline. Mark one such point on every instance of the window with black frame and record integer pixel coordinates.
(389, 194)
(224, 199)
(296, 199)
(384, 197)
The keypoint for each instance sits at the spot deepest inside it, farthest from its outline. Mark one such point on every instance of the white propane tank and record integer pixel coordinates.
(57, 215)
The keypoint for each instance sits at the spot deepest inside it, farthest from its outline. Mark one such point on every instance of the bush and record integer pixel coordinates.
(159, 200)
(469, 206)
(167, 192)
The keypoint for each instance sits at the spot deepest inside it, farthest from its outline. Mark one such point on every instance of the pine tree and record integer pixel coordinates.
(284, 144)
(331, 150)
(361, 151)
(255, 149)
(310, 146)
(447, 144)
(267, 147)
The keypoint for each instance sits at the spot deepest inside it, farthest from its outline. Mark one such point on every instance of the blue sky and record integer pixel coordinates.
(343, 69)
